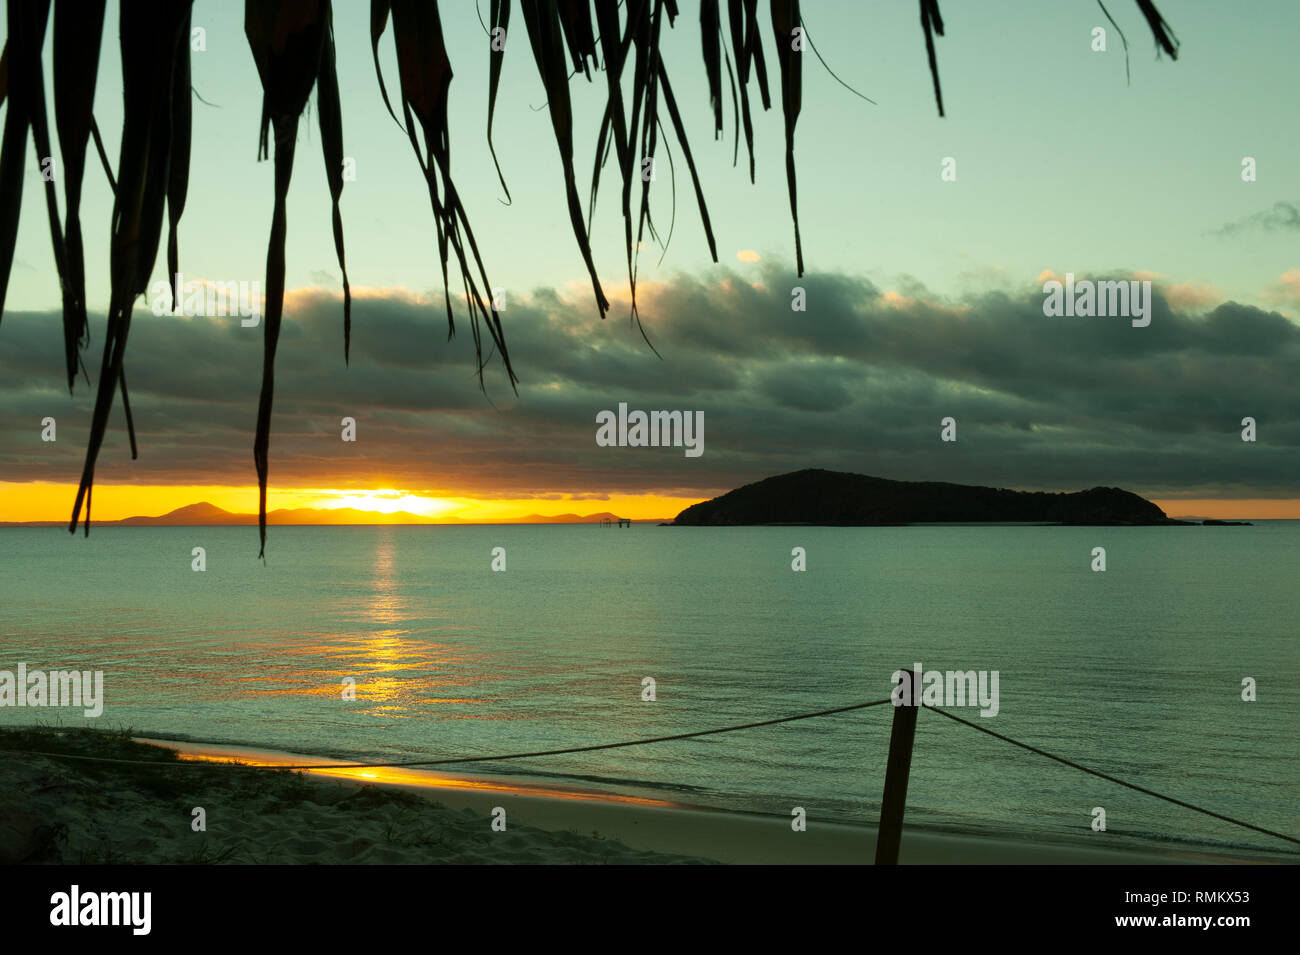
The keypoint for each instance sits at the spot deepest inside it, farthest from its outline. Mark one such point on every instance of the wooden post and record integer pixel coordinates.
(899, 765)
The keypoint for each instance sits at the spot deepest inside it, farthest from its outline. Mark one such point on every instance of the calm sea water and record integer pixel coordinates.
(1136, 671)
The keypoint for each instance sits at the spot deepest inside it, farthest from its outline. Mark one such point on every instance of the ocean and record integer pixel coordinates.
(1136, 671)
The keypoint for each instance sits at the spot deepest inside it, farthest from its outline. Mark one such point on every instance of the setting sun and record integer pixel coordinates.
(386, 501)
(51, 502)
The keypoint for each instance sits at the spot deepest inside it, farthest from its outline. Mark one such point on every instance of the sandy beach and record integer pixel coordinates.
(58, 810)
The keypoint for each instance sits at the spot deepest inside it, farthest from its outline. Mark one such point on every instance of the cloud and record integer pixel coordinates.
(748, 255)
(1284, 216)
(858, 382)
(1191, 295)
(1285, 289)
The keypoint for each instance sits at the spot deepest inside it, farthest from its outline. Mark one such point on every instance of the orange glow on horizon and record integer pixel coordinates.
(41, 501)
(1233, 509)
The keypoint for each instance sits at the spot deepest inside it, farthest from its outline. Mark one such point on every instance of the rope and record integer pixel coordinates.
(1108, 778)
(478, 759)
(677, 736)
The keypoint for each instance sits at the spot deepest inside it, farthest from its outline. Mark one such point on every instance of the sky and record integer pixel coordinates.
(924, 296)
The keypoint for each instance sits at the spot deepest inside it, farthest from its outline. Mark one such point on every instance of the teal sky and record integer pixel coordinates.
(1059, 164)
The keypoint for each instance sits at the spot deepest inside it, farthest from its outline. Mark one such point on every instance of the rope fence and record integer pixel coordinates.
(502, 757)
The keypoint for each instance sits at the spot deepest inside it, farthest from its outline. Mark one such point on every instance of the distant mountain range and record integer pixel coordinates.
(836, 498)
(204, 514)
(811, 496)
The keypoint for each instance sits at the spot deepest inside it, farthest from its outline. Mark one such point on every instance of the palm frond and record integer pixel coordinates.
(542, 20)
(292, 45)
(78, 32)
(785, 17)
(178, 176)
(932, 23)
(425, 72)
(292, 42)
(150, 37)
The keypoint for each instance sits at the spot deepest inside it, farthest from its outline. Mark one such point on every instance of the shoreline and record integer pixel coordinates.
(128, 800)
(728, 836)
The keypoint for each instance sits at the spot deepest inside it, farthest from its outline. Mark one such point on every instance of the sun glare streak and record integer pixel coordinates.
(384, 501)
(401, 776)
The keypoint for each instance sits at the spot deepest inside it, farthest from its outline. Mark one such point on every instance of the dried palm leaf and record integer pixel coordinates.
(499, 15)
(542, 20)
(292, 45)
(745, 42)
(932, 23)
(78, 32)
(25, 89)
(151, 35)
(330, 116)
(785, 18)
(1164, 36)
(426, 74)
(179, 167)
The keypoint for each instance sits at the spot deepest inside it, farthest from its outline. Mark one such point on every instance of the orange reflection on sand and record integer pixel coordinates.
(402, 776)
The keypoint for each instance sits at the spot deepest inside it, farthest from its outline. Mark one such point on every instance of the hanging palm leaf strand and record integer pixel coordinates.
(785, 18)
(615, 46)
(292, 45)
(575, 17)
(1160, 30)
(151, 39)
(78, 32)
(711, 51)
(179, 172)
(542, 20)
(425, 73)
(643, 29)
(645, 32)
(932, 23)
(499, 14)
(745, 43)
(329, 114)
(25, 88)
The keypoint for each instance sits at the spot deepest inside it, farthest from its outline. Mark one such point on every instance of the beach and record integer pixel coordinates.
(142, 811)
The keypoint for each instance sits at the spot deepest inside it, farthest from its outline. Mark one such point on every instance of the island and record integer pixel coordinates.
(836, 498)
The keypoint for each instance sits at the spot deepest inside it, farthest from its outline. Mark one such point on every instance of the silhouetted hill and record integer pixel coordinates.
(833, 497)
(193, 515)
(204, 514)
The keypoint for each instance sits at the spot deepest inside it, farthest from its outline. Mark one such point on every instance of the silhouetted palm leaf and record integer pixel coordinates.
(292, 44)
(151, 34)
(425, 73)
(932, 23)
(330, 116)
(178, 175)
(293, 48)
(78, 32)
(1164, 36)
(541, 17)
(500, 21)
(785, 17)
(24, 86)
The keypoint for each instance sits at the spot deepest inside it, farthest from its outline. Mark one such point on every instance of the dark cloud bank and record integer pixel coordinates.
(858, 382)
